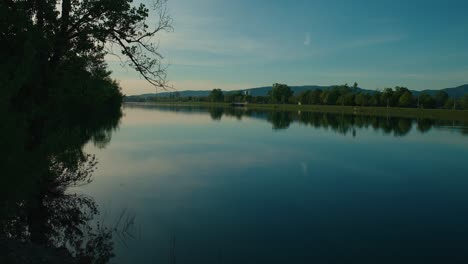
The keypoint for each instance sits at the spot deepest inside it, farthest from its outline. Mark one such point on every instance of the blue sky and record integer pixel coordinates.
(242, 44)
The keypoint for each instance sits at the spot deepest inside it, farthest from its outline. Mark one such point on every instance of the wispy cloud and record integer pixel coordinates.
(210, 43)
(373, 40)
(330, 47)
(307, 39)
(459, 75)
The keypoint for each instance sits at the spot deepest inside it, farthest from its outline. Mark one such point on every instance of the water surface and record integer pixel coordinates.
(240, 186)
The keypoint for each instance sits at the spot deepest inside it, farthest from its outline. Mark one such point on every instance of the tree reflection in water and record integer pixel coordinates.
(338, 122)
(39, 219)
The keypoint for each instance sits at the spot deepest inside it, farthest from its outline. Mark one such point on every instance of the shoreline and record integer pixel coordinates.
(418, 113)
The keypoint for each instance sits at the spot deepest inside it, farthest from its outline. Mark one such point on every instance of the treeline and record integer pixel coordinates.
(343, 95)
(396, 97)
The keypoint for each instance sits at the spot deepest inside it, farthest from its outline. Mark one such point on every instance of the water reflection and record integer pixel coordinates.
(210, 189)
(344, 124)
(41, 159)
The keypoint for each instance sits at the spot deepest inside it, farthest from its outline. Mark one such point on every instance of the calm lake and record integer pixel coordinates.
(199, 185)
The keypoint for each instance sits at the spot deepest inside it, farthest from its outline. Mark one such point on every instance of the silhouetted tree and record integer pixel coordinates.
(49, 44)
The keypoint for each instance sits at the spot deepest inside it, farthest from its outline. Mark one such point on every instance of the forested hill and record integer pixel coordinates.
(455, 92)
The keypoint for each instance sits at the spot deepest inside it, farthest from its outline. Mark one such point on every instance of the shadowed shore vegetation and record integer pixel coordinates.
(58, 95)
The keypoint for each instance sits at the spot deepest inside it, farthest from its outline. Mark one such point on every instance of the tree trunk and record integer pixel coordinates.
(61, 42)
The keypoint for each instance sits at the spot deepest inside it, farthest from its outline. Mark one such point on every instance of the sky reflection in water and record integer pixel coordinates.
(270, 188)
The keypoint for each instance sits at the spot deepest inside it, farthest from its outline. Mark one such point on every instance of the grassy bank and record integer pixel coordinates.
(442, 114)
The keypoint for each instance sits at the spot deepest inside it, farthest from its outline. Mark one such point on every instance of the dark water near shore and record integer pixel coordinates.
(238, 186)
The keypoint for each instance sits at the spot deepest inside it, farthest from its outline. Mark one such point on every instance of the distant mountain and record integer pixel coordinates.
(263, 91)
(456, 92)
(259, 91)
(150, 96)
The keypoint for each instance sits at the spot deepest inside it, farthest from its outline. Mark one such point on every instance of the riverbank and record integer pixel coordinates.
(441, 114)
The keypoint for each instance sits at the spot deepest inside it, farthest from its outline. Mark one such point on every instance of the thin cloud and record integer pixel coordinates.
(373, 40)
(307, 39)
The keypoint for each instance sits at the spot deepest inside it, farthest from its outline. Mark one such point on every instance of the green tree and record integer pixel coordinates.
(346, 99)
(355, 86)
(398, 92)
(426, 101)
(441, 98)
(358, 100)
(323, 97)
(345, 94)
(280, 93)
(330, 97)
(386, 97)
(362, 99)
(375, 99)
(216, 95)
(314, 97)
(464, 101)
(406, 99)
(304, 97)
(451, 103)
